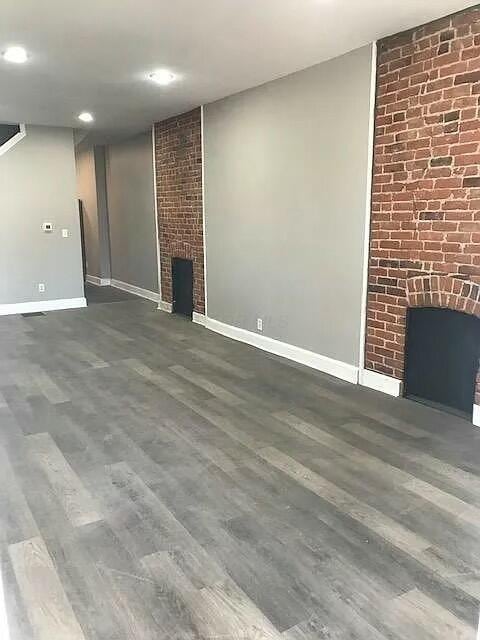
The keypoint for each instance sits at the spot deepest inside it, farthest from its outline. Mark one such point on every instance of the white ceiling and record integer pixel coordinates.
(94, 54)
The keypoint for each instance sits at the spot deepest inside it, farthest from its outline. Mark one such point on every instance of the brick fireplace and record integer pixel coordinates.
(425, 225)
(178, 167)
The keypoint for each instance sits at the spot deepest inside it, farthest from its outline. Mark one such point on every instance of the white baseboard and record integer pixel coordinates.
(138, 291)
(380, 382)
(100, 282)
(165, 306)
(42, 305)
(199, 318)
(316, 361)
(476, 415)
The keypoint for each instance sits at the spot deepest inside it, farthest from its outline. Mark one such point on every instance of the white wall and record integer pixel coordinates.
(37, 184)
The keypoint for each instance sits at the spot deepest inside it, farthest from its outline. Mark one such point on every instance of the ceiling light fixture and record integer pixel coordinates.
(162, 77)
(85, 117)
(18, 55)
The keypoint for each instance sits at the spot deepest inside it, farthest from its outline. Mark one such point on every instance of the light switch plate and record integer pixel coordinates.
(65, 233)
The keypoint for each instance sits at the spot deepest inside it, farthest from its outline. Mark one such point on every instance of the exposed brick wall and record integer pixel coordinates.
(426, 183)
(178, 164)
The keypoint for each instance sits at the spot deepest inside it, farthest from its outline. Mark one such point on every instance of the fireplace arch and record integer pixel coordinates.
(444, 292)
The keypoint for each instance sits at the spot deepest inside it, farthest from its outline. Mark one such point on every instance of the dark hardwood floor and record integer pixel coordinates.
(158, 481)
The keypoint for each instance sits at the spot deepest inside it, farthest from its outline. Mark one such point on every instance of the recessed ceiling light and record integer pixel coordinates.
(162, 77)
(85, 117)
(15, 54)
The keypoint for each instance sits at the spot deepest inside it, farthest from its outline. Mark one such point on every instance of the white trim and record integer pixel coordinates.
(155, 209)
(4, 626)
(42, 305)
(380, 382)
(199, 318)
(138, 291)
(99, 282)
(476, 418)
(204, 219)
(316, 361)
(368, 206)
(13, 140)
(165, 306)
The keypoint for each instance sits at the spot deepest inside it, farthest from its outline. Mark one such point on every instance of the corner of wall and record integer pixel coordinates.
(155, 209)
(99, 155)
(368, 205)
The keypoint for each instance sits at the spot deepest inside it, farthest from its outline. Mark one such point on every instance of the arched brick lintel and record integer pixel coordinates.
(444, 292)
(181, 249)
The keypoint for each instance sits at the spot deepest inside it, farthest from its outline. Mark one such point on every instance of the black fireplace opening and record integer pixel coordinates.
(182, 286)
(442, 358)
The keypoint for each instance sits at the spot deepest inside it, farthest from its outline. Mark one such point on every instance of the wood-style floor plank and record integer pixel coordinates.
(424, 619)
(75, 499)
(160, 481)
(50, 613)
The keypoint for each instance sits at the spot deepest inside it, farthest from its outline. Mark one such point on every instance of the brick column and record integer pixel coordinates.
(426, 183)
(178, 165)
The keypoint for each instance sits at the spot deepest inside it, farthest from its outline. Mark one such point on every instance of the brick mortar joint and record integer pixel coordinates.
(424, 234)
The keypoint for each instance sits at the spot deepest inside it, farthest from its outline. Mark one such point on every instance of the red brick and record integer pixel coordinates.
(468, 159)
(467, 54)
(426, 195)
(453, 69)
(466, 78)
(178, 163)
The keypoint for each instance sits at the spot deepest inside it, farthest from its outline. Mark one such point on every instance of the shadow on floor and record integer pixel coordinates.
(102, 295)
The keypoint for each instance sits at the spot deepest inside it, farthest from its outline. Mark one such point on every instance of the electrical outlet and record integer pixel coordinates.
(259, 324)
(41, 287)
(65, 233)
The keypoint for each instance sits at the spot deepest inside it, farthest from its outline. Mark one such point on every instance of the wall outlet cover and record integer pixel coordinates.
(41, 287)
(259, 324)
(65, 233)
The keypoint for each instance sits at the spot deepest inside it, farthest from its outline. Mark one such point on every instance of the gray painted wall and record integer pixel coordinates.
(91, 189)
(87, 193)
(132, 212)
(285, 188)
(102, 211)
(37, 184)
